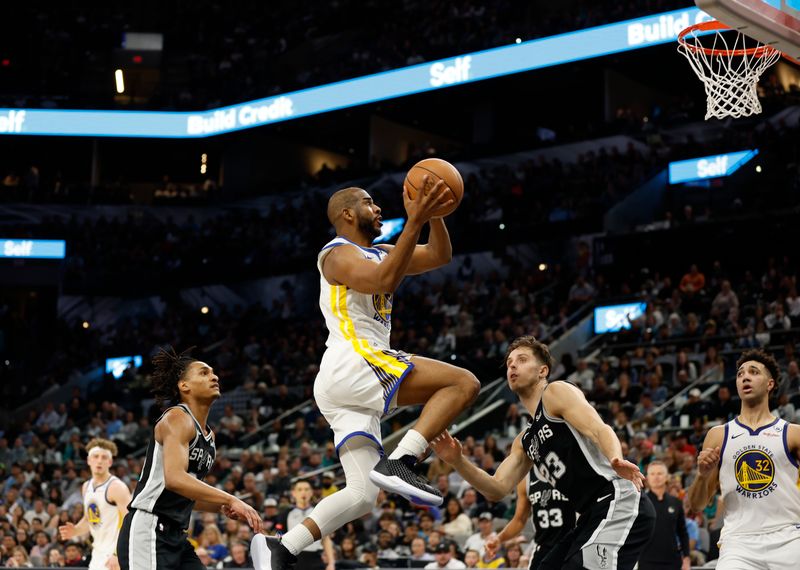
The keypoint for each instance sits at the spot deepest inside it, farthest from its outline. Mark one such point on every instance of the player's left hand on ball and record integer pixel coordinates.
(241, 511)
(629, 471)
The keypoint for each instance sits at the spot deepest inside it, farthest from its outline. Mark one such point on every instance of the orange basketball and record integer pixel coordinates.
(436, 169)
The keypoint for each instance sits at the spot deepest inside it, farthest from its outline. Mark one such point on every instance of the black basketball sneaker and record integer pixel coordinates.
(268, 553)
(396, 476)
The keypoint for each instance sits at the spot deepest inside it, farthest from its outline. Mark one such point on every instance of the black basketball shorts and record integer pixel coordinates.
(149, 542)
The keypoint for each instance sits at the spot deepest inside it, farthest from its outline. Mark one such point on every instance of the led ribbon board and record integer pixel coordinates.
(478, 66)
(32, 248)
(716, 166)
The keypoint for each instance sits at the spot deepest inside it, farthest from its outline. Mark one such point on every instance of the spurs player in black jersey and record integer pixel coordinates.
(569, 446)
(550, 512)
(180, 453)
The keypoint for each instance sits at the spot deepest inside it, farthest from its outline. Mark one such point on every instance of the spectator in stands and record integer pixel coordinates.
(206, 559)
(419, 552)
(583, 376)
(692, 283)
(580, 293)
(456, 523)
(778, 320)
(443, 558)
(478, 540)
(369, 556)
(790, 384)
(55, 558)
(73, 555)
(19, 558)
(682, 363)
(513, 557)
(386, 546)
(328, 486)
(274, 522)
(40, 548)
(211, 540)
(645, 410)
(239, 558)
(694, 407)
(469, 502)
(471, 558)
(625, 391)
(697, 554)
(725, 300)
(724, 407)
(786, 409)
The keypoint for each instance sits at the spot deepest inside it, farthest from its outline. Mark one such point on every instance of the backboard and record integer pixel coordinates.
(773, 22)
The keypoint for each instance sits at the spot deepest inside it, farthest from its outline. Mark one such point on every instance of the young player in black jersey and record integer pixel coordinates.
(569, 446)
(550, 512)
(179, 455)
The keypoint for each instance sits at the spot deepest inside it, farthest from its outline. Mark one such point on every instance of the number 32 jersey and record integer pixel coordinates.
(568, 460)
(758, 480)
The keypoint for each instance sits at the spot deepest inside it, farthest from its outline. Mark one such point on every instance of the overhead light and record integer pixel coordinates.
(542, 267)
(120, 81)
(204, 310)
(519, 40)
(85, 324)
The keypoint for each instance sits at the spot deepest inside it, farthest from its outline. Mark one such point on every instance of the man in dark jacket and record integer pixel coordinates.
(665, 552)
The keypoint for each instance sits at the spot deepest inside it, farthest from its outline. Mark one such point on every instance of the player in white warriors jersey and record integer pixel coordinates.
(754, 459)
(105, 503)
(361, 377)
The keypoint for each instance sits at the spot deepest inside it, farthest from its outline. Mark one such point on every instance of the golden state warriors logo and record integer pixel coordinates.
(382, 303)
(755, 473)
(93, 514)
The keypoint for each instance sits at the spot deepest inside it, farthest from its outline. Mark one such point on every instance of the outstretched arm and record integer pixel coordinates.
(705, 484)
(566, 401)
(174, 432)
(69, 530)
(493, 487)
(516, 524)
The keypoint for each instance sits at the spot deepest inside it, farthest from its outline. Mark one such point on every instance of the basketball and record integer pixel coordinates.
(436, 169)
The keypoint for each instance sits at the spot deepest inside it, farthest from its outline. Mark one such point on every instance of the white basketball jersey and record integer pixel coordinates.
(758, 480)
(360, 321)
(104, 519)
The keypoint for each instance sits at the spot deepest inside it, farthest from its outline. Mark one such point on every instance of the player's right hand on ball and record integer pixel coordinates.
(240, 511)
(708, 460)
(428, 201)
(66, 531)
(446, 447)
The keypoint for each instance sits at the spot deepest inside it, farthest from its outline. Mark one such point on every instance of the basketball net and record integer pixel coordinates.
(729, 65)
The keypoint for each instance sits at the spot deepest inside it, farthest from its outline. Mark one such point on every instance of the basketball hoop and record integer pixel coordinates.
(729, 69)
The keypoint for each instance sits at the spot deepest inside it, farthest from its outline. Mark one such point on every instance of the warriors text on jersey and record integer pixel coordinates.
(757, 477)
(103, 516)
(568, 460)
(359, 320)
(152, 496)
(551, 512)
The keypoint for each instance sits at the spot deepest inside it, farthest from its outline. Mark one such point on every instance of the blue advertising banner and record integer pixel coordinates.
(478, 66)
(716, 166)
(32, 248)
